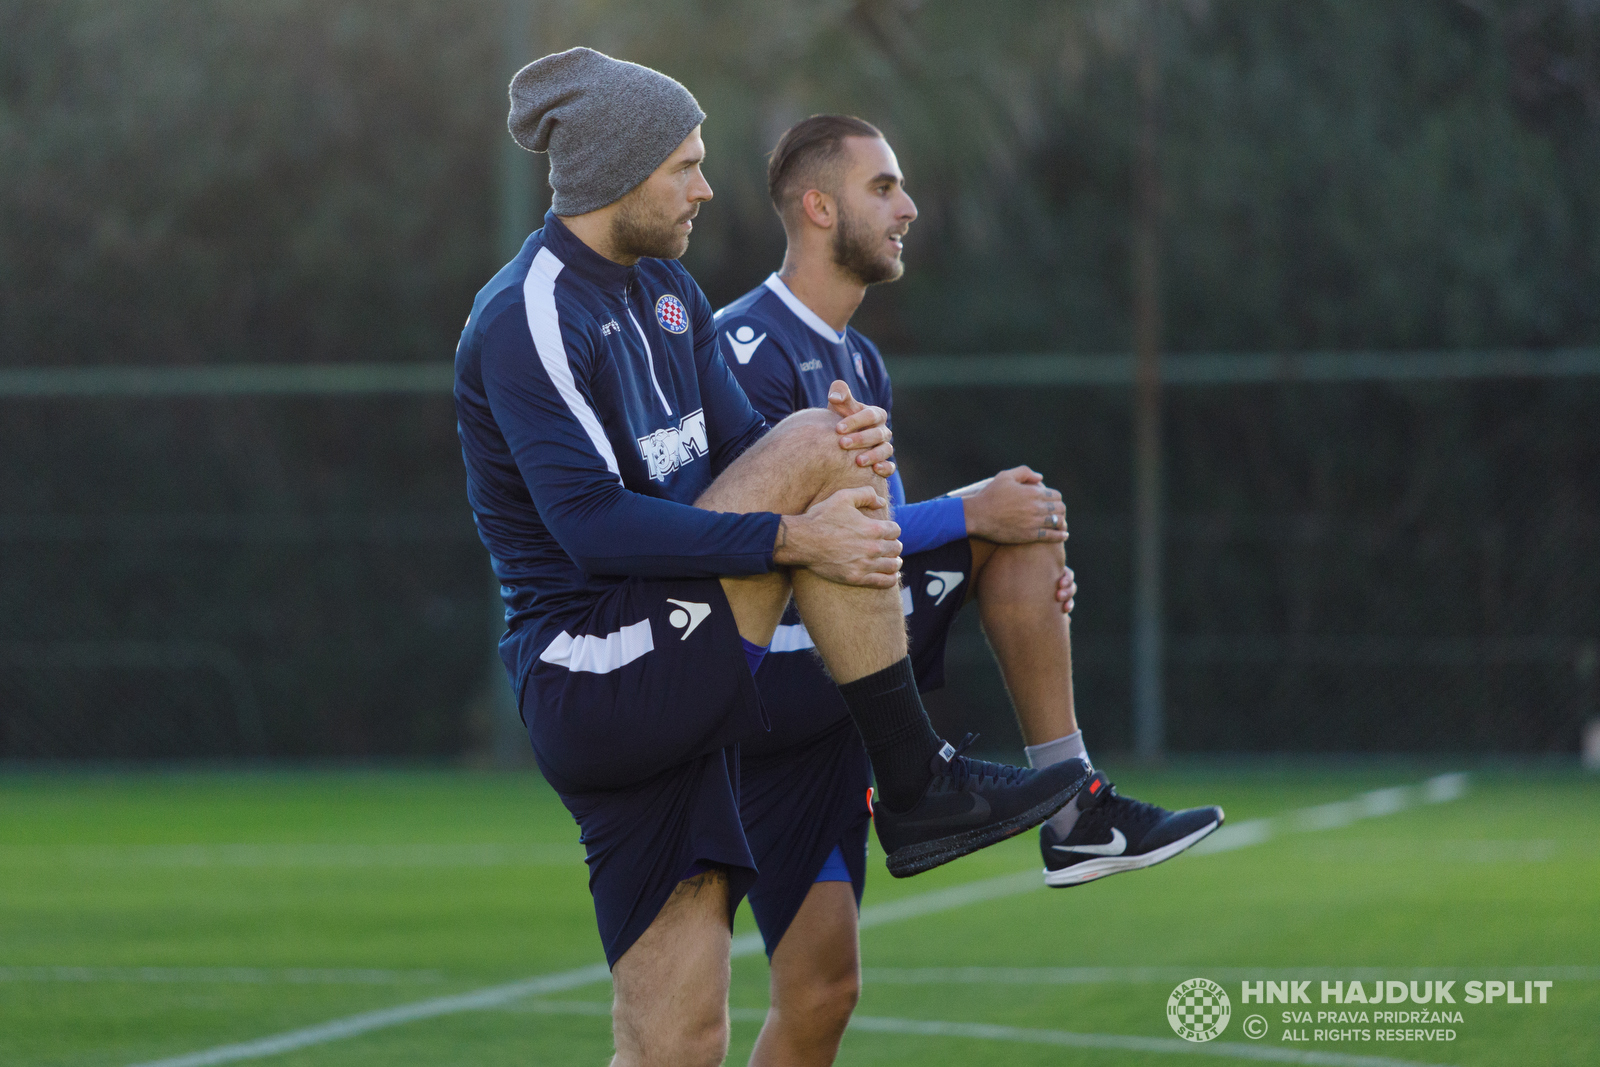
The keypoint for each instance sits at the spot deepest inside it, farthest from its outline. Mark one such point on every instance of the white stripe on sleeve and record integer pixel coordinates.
(544, 321)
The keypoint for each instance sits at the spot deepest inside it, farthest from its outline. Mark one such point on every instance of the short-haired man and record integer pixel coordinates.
(648, 530)
(838, 189)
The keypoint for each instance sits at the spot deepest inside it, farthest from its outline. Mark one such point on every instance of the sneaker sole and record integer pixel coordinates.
(907, 860)
(1089, 870)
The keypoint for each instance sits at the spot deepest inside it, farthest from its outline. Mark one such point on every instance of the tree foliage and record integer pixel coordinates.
(317, 180)
(291, 180)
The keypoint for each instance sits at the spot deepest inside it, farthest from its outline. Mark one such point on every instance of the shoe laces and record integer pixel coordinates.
(1113, 808)
(961, 769)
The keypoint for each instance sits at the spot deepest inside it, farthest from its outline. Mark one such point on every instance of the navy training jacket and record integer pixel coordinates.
(785, 357)
(593, 408)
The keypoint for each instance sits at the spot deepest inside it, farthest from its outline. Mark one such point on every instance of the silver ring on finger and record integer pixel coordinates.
(1054, 520)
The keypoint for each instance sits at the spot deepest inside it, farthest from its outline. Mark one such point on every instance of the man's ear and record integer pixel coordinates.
(819, 207)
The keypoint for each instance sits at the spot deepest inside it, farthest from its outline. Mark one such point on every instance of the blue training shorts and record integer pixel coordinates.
(635, 713)
(804, 784)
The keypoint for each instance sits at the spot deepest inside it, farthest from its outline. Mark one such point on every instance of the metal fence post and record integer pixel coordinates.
(1148, 710)
(508, 742)
(516, 216)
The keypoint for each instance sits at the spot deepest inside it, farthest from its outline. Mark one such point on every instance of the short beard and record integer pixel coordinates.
(640, 229)
(855, 251)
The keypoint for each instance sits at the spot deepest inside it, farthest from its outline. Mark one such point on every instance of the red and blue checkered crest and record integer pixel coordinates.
(671, 315)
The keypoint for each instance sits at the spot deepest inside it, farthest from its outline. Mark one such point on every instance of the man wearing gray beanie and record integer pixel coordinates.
(648, 529)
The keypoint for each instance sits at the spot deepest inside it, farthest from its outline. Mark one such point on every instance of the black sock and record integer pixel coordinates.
(900, 739)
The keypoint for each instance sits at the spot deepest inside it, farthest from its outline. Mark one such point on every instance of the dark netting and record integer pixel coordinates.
(226, 577)
(1349, 568)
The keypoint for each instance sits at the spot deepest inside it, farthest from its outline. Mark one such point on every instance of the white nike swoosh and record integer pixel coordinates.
(1115, 847)
(743, 352)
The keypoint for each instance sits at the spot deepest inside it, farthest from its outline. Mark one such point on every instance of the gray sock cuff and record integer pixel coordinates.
(1058, 751)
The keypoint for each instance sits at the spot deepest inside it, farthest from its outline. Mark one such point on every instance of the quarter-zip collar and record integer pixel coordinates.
(613, 279)
(584, 261)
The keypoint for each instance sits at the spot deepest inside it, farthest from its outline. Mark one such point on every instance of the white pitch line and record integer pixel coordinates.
(1435, 790)
(495, 996)
(492, 997)
(296, 855)
(1152, 975)
(1371, 805)
(1022, 1035)
(1124, 1043)
(213, 975)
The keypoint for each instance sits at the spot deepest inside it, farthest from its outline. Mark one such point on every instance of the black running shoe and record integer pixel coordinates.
(1115, 833)
(971, 804)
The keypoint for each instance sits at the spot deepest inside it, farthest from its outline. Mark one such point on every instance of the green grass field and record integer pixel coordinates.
(147, 917)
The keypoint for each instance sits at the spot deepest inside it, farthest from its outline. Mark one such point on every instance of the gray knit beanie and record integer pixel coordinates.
(606, 123)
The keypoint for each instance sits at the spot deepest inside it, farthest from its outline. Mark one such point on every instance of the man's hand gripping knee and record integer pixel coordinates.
(863, 429)
(836, 538)
(1015, 507)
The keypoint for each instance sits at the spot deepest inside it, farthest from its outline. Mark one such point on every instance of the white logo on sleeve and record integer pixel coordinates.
(941, 582)
(744, 342)
(675, 446)
(687, 616)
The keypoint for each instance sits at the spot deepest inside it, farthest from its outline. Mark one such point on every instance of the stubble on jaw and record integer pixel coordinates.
(855, 252)
(641, 229)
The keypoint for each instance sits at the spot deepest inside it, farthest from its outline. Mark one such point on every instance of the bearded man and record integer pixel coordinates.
(837, 186)
(648, 529)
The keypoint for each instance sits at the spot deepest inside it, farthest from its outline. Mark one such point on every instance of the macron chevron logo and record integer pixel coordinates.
(687, 616)
(744, 342)
(941, 582)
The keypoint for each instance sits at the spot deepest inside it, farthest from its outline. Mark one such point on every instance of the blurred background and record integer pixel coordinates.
(1363, 237)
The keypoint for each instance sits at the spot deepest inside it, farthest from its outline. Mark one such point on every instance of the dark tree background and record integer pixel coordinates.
(1351, 567)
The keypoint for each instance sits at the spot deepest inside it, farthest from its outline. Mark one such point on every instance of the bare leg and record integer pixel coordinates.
(670, 1006)
(857, 630)
(1031, 636)
(816, 980)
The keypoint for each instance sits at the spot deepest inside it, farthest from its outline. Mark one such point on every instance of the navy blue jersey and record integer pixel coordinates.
(785, 356)
(593, 408)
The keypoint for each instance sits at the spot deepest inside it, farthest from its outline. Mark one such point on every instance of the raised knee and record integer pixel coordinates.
(1017, 576)
(810, 430)
(810, 440)
(1045, 557)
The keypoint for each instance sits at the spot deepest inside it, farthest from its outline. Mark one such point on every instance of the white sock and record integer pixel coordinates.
(1051, 753)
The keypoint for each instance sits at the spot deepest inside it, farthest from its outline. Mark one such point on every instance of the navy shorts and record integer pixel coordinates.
(805, 782)
(635, 713)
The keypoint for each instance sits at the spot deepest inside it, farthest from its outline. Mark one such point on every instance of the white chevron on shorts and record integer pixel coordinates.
(600, 655)
(795, 638)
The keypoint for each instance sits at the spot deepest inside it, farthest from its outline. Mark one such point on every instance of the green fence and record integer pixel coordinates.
(1364, 552)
